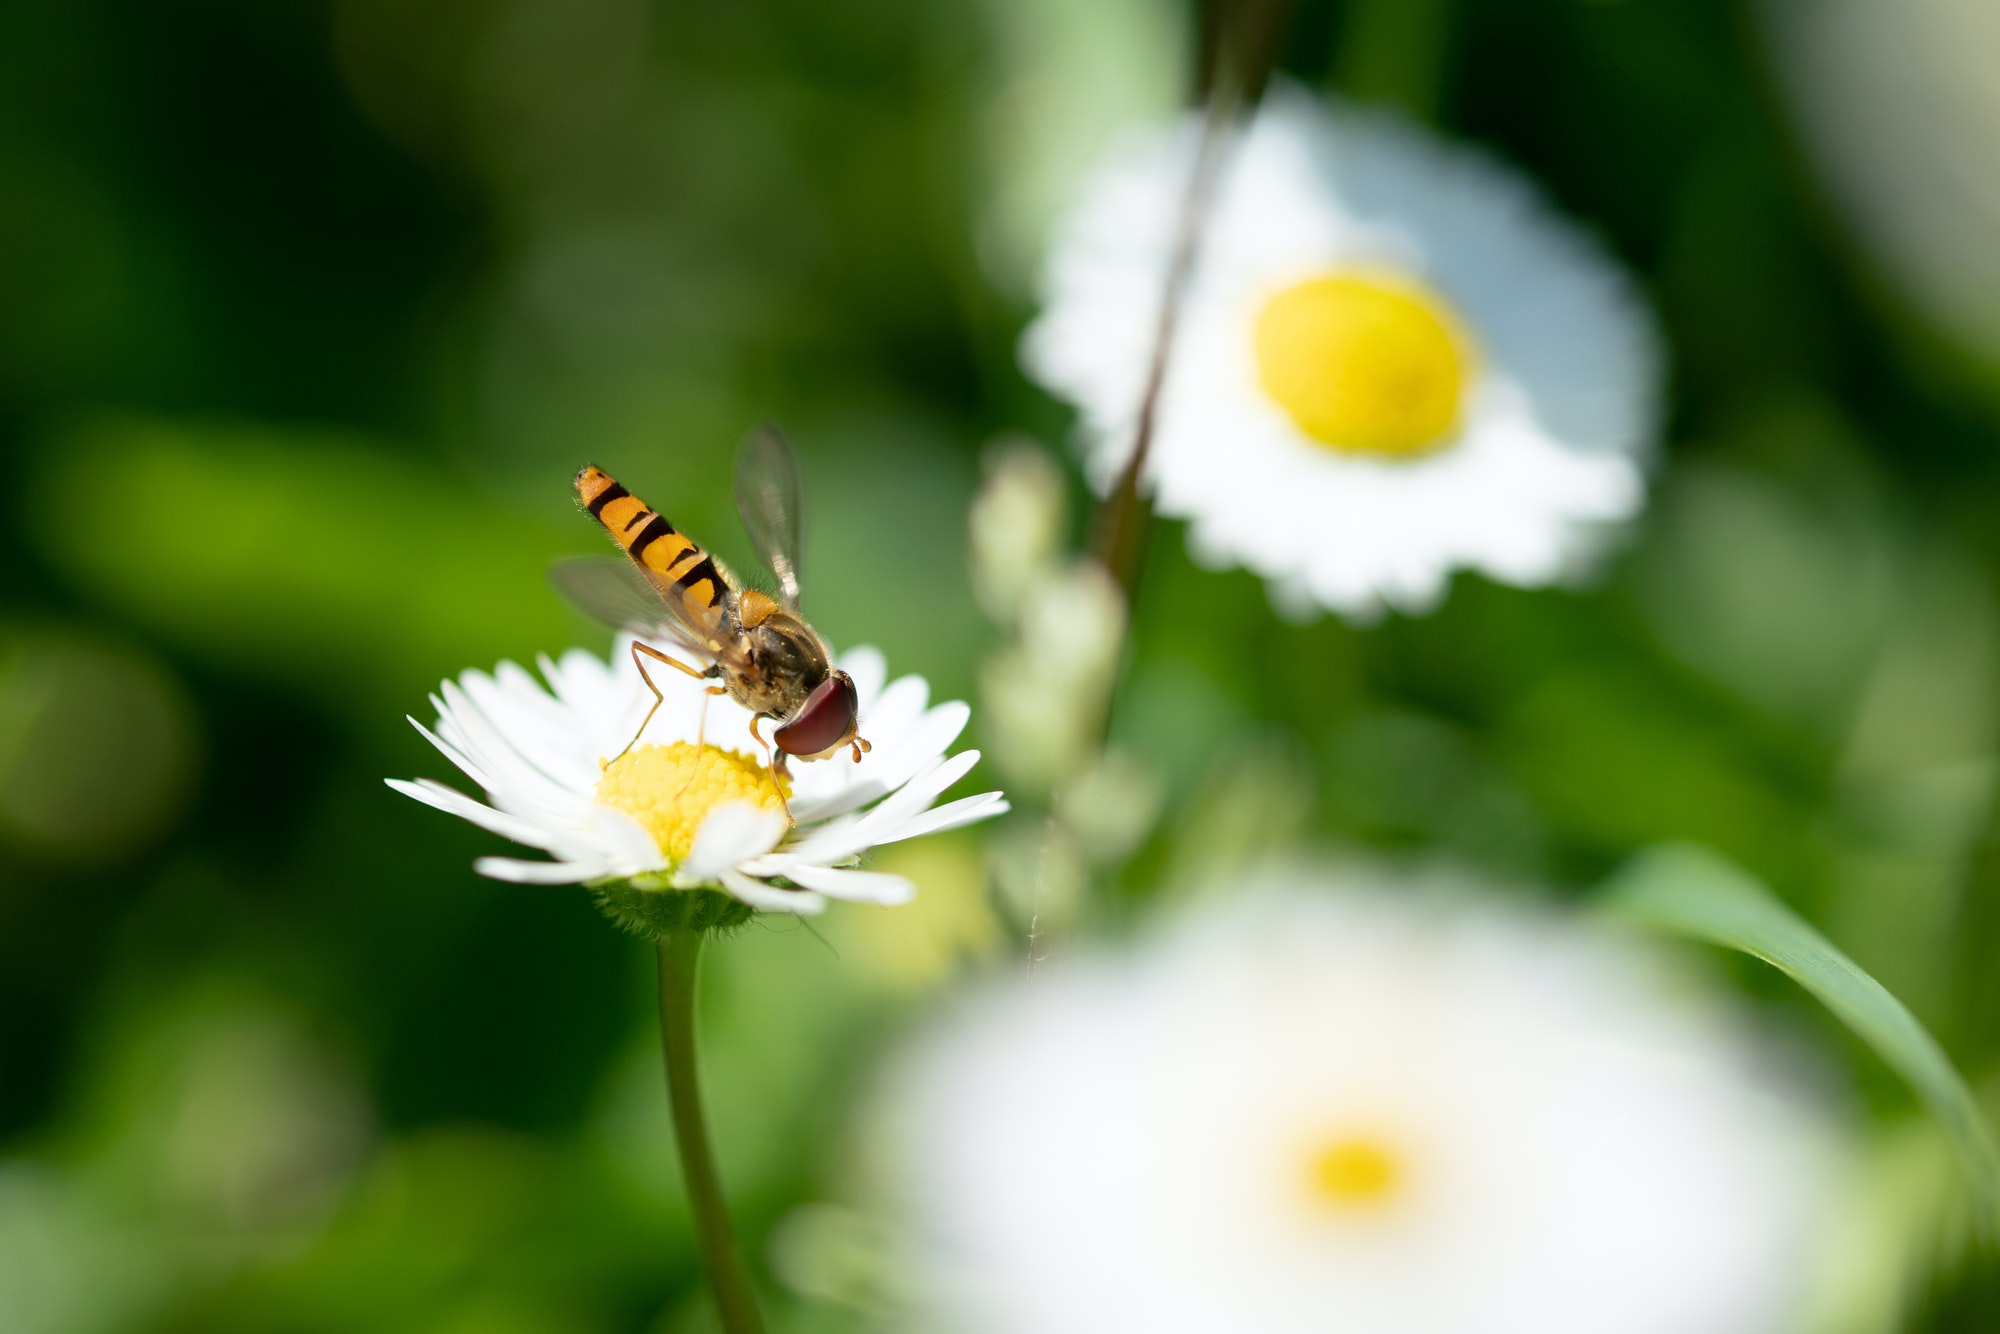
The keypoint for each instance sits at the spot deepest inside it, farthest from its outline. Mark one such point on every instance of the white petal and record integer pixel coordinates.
(868, 669)
(492, 750)
(951, 815)
(898, 707)
(625, 841)
(885, 819)
(801, 850)
(536, 724)
(854, 886)
(903, 815)
(923, 787)
(587, 686)
(453, 802)
(459, 758)
(539, 873)
(769, 898)
(731, 834)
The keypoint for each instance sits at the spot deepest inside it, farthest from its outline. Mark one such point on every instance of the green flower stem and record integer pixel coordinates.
(1124, 517)
(680, 954)
(1239, 49)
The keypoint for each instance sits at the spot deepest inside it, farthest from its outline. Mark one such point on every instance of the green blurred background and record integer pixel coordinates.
(308, 311)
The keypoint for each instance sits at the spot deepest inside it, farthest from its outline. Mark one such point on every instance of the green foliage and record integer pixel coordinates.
(299, 552)
(1688, 891)
(307, 314)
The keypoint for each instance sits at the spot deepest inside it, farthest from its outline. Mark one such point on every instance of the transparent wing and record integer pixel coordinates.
(772, 503)
(613, 590)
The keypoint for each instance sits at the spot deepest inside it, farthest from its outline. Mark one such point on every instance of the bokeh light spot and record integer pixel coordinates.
(97, 747)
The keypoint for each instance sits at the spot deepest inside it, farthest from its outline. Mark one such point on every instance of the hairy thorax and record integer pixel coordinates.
(782, 663)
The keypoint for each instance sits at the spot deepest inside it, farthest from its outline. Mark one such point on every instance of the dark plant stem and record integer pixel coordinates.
(680, 955)
(1238, 49)
(1119, 541)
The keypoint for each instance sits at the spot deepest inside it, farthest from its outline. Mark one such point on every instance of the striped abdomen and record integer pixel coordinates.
(681, 570)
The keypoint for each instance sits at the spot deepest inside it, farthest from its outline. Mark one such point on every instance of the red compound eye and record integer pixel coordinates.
(825, 723)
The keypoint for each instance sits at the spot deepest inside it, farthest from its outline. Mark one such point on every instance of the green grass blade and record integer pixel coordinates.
(1690, 891)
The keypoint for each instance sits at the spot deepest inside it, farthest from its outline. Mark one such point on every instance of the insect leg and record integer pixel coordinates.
(700, 733)
(658, 698)
(776, 759)
(701, 727)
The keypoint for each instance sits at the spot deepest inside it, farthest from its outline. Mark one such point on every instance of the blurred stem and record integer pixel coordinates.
(1122, 520)
(1394, 51)
(1238, 50)
(1239, 46)
(680, 957)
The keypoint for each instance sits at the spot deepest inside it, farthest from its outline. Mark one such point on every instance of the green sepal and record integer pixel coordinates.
(657, 911)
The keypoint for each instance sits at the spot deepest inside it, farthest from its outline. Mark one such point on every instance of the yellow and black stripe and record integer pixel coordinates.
(678, 567)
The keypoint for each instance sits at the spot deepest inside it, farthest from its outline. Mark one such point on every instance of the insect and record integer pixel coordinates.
(760, 649)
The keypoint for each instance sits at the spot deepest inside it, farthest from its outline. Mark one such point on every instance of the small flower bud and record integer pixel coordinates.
(1111, 806)
(1017, 525)
(1046, 692)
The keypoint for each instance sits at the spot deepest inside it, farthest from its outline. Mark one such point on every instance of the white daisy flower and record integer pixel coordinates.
(1321, 1110)
(1392, 359)
(667, 815)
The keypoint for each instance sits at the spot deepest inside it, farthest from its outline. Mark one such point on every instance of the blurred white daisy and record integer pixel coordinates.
(1392, 359)
(667, 815)
(1899, 106)
(1314, 1110)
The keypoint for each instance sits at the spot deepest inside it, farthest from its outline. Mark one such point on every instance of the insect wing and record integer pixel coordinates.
(771, 500)
(613, 590)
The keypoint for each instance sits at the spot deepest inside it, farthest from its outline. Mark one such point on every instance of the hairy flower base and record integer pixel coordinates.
(658, 913)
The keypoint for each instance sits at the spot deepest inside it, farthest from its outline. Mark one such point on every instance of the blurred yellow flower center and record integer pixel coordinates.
(670, 790)
(1353, 1172)
(1365, 363)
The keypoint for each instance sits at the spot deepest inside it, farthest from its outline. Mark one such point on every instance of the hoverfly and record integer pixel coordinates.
(759, 648)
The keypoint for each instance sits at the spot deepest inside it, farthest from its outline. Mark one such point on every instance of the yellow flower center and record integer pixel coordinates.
(670, 790)
(1365, 363)
(1353, 1172)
